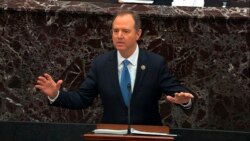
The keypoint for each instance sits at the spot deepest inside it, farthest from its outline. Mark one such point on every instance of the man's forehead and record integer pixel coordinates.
(128, 16)
(126, 19)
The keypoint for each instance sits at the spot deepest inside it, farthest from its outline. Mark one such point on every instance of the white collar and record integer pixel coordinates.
(132, 58)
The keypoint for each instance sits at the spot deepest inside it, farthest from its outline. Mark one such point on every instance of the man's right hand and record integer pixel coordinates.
(48, 86)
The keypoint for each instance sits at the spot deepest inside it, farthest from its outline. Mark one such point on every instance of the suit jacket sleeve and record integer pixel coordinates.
(82, 97)
(168, 82)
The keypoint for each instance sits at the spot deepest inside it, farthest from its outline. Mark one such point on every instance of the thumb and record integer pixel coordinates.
(58, 84)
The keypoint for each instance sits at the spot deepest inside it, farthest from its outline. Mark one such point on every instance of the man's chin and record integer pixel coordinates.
(120, 48)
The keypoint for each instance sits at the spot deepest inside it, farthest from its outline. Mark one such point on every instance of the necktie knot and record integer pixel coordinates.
(125, 62)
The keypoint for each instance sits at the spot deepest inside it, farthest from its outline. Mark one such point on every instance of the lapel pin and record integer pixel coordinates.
(143, 67)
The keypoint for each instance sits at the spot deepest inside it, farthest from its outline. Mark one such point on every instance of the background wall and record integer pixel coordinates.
(208, 3)
(206, 48)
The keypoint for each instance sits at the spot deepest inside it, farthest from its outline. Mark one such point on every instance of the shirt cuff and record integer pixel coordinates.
(51, 100)
(188, 105)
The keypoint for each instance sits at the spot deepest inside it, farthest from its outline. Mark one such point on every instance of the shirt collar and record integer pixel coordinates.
(132, 59)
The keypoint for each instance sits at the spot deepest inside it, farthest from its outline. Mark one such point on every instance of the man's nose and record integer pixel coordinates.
(120, 34)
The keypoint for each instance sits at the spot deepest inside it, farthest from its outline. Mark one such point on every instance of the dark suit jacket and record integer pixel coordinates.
(103, 79)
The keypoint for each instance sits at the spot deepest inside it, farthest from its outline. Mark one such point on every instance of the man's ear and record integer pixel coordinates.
(139, 31)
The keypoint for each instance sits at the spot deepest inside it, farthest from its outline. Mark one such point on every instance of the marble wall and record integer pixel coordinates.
(208, 3)
(206, 48)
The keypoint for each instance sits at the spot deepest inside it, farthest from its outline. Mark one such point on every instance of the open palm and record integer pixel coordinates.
(48, 86)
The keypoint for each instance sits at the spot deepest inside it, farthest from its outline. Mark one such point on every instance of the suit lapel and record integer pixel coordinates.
(140, 72)
(114, 77)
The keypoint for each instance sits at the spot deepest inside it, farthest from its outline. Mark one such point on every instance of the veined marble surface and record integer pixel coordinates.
(108, 8)
(206, 48)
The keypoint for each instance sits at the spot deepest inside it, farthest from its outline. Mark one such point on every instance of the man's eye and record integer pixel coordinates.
(126, 31)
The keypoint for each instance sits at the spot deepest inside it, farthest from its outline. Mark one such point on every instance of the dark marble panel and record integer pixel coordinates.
(207, 49)
(78, 7)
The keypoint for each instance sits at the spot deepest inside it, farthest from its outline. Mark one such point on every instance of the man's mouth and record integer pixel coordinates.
(120, 43)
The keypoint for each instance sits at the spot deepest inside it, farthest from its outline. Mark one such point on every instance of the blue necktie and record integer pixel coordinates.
(125, 83)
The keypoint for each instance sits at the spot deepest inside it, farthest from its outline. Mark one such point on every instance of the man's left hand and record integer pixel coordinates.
(180, 98)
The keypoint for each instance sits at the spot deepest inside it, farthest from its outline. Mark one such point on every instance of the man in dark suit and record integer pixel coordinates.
(146, 72)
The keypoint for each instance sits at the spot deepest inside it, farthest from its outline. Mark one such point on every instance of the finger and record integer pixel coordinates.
(184, 94)
(171, 99)
(39, 87)
(48, 77)
(177, 94)
(39, 82)
(42, 79)
(188, 95)
(59, 83)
